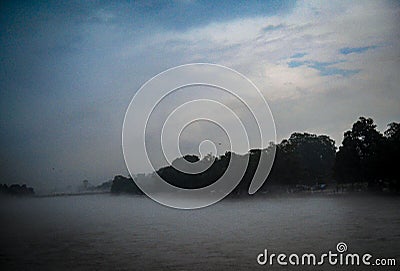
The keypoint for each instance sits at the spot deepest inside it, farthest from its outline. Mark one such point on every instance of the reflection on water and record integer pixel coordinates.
(125, 233)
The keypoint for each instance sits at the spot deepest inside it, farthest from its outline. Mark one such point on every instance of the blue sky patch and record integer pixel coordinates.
(355, 50)
(294, 64)
(324, 68)
(298, 55)
(273, 27)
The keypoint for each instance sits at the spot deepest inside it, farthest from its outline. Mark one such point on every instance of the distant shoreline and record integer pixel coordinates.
(283, 192)
(72, 194)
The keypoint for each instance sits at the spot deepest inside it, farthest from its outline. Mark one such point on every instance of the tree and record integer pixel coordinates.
(316, 155)
(359, 157)
(123, 184)
(304, 159)
(390, 158)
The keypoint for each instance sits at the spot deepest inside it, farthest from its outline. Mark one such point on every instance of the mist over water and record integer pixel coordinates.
(105, 232)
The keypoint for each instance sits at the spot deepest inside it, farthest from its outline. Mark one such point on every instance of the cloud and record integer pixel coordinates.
(325, 76)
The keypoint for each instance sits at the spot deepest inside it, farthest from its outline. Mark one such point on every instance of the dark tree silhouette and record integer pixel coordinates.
(365, 154)
(123, 184)
(303, 160)
(391, 152)
(16, 190)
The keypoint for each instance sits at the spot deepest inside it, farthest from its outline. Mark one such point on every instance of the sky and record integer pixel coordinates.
(69, 70)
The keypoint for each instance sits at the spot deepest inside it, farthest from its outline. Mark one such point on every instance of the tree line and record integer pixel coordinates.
(365, 156)
(16, 190)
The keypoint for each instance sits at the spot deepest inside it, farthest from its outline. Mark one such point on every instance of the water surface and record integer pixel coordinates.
(106, 232)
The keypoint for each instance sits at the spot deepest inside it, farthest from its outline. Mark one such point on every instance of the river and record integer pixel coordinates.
(106, 232)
